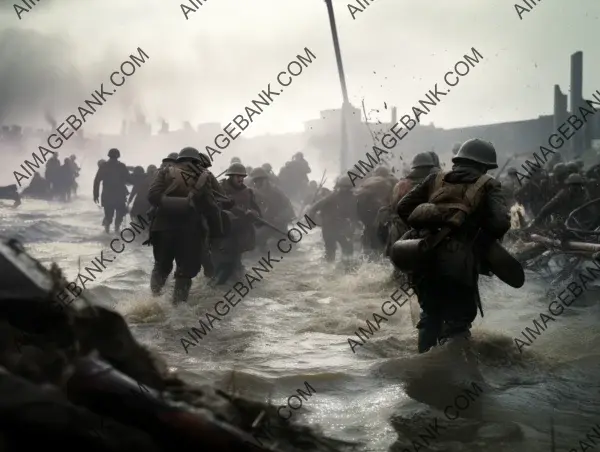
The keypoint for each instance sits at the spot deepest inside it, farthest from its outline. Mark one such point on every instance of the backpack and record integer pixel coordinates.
(449, 204)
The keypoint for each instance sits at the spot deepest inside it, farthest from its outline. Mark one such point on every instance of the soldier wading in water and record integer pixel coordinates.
(456, 219)
(186, 213)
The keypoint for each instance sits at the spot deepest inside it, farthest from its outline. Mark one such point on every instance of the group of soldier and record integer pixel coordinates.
(199, 222)
(550, 196)
(59, 183)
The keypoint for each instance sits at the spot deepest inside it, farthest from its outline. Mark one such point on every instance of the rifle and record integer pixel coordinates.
(323, 179)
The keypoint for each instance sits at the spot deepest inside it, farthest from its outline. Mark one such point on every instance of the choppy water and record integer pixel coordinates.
(295, 324)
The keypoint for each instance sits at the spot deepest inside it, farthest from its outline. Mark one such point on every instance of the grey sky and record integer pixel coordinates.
(208, 67)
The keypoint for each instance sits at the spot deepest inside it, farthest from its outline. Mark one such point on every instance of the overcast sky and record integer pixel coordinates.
(209, 67)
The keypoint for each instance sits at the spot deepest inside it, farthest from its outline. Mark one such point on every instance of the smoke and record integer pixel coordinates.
(35, 74)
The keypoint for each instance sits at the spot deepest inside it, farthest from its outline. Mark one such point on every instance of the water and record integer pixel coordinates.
(293, 327)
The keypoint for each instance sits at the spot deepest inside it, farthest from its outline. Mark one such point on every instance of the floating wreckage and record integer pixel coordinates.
(557, 253)
(74, 375)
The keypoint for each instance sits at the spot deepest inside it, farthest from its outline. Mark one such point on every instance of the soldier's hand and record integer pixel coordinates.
(96, 200)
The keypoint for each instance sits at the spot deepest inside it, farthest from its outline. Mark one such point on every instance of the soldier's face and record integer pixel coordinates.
(237, 180)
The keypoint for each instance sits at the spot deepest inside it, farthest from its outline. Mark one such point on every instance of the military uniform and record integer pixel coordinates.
(448, 288)
(573, 195)
(179, 228)
(139, 194)
(227, 252)
(422, 165)
(114, 176)
(371, 196)
(275, 206)
(338, 218)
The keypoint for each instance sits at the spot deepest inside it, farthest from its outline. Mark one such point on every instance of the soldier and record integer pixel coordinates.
(384, 172)
(372, 203)
(227, 252)
(573, 195)
(180, 194)
(65, 181)
(338, 218)
(559, 176)
(275, 207)
(422, 165)
(53, 174)
(169, 160)
(272, 176)
(75, 169)
(223, 201)
(101, 162)
(38, 188)
(139, 191)
(447, 288)
(572, 168)
(114, 177)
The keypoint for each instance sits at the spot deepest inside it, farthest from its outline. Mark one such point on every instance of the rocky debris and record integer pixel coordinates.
(75, 375)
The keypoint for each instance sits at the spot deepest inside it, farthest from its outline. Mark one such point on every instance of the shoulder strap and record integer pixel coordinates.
(474, 192)
(438, 183)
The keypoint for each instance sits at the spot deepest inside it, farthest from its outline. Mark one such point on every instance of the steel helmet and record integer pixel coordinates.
(435, 158)
(559, 169)
(235, 160)
(206, 163)
(259, 173)
(574, 179)
(422, 160)
(114, 153)
(138, 171)
(188, 153)
(572, 167)
(344, 182)
(151, 169)
(478, 151)
(267, 167)
(236, 169)
(101, 162)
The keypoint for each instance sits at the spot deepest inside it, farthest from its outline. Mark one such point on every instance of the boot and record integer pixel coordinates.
(157, 282)
(106, 228)
(182, 290)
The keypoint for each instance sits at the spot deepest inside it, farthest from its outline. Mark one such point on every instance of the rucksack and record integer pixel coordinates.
(449, 204)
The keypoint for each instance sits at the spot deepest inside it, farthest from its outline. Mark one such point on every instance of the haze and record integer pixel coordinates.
(207, 68)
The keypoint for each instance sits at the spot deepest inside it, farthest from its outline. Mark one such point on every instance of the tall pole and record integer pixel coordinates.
(338, 56)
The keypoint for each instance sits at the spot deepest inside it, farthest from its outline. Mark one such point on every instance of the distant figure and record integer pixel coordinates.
(10, 192)
(53, 174)
(75, 169)
(114, 177)
(139, 193)
(38, 188)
